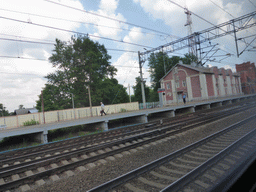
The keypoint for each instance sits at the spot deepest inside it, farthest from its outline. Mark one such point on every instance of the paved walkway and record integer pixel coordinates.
(99, 120)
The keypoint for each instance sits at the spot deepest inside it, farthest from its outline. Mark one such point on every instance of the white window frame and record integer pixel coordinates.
(184, 83)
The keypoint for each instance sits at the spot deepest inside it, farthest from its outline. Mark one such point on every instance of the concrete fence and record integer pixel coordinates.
(64, 115)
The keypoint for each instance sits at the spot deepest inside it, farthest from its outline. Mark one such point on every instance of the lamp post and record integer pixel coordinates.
(73, 104)
(43, 105)
(89, 93)
(90, 99)
(142, 83)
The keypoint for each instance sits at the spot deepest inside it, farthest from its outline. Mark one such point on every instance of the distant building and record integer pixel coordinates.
(199, 83)
(247, 72)
(25, 111)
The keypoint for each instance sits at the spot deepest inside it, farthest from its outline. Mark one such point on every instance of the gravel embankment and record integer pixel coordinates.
(92, 177)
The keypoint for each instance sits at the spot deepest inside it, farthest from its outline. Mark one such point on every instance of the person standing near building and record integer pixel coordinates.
(102, 109)
(184, 98)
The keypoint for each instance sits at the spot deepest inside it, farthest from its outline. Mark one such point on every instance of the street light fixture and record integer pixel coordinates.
(90, 99)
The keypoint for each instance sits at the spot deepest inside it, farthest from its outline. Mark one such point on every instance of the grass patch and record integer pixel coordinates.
(22, 141)
(31, 122)
(16, 142)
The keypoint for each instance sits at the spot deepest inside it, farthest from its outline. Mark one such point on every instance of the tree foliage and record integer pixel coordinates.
(137, 91)
(80, 63)
(3, 111)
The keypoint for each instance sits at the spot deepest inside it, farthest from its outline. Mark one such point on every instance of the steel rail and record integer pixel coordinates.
(33, 165)
(90, 138)
(180, 183)
(195, 122)
(59, 169)
(109, 144)
(135, 173)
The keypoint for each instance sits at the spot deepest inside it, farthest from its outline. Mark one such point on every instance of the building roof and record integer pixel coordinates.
(196, 68)
(25, 111)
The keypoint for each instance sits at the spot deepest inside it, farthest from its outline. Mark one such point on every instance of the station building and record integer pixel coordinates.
(247, 73)
(198, 83)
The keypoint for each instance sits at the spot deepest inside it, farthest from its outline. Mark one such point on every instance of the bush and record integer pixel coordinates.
(31, 122)
(123, 110)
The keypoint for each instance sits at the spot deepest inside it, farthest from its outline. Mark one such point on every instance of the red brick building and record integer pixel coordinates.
(247, 73)
(198, 83)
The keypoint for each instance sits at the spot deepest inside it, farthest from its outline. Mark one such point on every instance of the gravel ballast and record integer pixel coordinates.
(104, 171)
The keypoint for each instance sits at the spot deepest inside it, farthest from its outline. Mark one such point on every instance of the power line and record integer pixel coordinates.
(26, 41)
(17, 57)
(27, 58)
(18, 36)
(225, 12)
(76, 32)
(221, 8)
(80, 22)
(252, 3)
(106, 17)
(39, 42)
(193, 13)
(3, 72)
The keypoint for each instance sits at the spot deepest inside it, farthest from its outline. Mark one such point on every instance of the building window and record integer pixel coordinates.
(168, 86)
(177, 84)
(184, 83)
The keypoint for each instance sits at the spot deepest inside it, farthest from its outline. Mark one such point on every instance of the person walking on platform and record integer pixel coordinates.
(102, 109)
(184, 98)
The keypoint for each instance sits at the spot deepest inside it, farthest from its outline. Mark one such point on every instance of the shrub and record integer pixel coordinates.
(123, 110)
(31, 122)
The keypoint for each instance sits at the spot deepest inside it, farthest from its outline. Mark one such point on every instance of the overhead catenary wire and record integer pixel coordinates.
(48, 43)
(75, 32)
(223, 10)
(106, 17)
(29, 74)
(252, 3)
(29, 58)
(196, 15)
(94, 24)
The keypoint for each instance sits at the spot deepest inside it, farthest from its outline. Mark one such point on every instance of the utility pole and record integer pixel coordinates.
(42, 97)
(164, 60)
(237, 52)
(90, 99)
(142, 83)
(129, 92)
(73, 105)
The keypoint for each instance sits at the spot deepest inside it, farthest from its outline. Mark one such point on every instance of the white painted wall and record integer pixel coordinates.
(203, 85)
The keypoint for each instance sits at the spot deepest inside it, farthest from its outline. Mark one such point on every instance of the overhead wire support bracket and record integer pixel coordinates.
(246, 21)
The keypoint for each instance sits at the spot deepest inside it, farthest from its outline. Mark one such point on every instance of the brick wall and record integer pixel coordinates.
(209, 85)
(196, 89)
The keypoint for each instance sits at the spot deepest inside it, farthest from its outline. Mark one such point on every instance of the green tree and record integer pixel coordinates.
(137, 91)
(81, 63)
(111, 92)
(3, 111)
(189, 58)
(54, 99)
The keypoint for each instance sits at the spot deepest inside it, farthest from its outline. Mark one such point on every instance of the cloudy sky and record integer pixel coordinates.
(29, 28)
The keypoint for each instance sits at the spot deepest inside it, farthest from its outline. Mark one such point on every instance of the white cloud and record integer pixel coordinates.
(22, 79)
(108, 6)
(103, 26)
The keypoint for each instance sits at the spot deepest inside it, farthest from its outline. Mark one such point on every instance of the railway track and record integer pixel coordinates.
(197, 167)
(23, 168)
(81, 142)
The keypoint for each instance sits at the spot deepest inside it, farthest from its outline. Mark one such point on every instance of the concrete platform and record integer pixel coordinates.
(40, 131)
